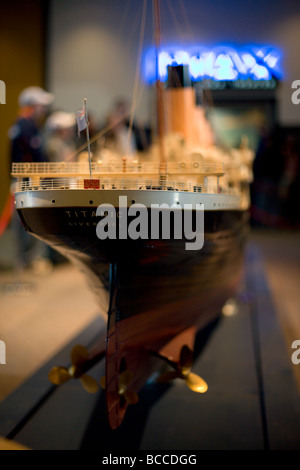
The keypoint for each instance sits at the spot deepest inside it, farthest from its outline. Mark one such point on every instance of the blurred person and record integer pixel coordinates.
(126, 141)
(267, 170)
(60, 136)
(289, 192)
(122, 139)
(27, 145)
(26, 134)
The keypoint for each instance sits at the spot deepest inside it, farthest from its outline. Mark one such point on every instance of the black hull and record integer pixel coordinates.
(153, 290)
(148, 273)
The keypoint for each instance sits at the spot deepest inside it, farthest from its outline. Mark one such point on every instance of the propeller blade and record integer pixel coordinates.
(79, 355)
(58, 375)
(131, 397)
(196, 383)
(125, 378)
(89, 383)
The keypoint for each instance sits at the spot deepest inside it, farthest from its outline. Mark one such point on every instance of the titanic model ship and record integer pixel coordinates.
(159, 286)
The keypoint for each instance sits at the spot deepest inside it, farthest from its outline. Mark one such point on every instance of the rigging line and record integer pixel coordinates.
(205, 94)
(137, 74)
(186, 19)
(99, 134)
(96, 136)
(120, 36)
(160, 109)
(124, 17)
(175, 20)
(106, 128)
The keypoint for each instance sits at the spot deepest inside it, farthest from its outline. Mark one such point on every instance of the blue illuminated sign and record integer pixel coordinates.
(222, 63)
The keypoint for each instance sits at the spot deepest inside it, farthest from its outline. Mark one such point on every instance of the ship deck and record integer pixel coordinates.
(252, 401)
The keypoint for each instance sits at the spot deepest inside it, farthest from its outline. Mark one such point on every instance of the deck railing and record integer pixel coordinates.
(204, 177)
(33, 184)
(98, 169)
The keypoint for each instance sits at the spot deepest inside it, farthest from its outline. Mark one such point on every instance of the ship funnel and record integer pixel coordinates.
(180, 104)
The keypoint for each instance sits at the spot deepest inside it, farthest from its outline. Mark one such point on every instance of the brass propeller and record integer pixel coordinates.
(124, 380)
(60, 375)
(183, 371)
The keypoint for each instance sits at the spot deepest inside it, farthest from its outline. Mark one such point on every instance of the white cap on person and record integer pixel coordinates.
(35, 95)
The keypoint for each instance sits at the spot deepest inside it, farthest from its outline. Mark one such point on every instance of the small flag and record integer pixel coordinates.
(81, 121)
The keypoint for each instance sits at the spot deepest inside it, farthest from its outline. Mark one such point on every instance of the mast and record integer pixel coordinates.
(159, 92)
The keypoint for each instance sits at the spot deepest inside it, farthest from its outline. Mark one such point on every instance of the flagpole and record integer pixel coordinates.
(87, 134)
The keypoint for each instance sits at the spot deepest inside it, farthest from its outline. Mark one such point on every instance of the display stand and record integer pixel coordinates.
(252, 402)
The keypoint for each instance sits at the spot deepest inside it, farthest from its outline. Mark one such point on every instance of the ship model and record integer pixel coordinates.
(158, 285)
